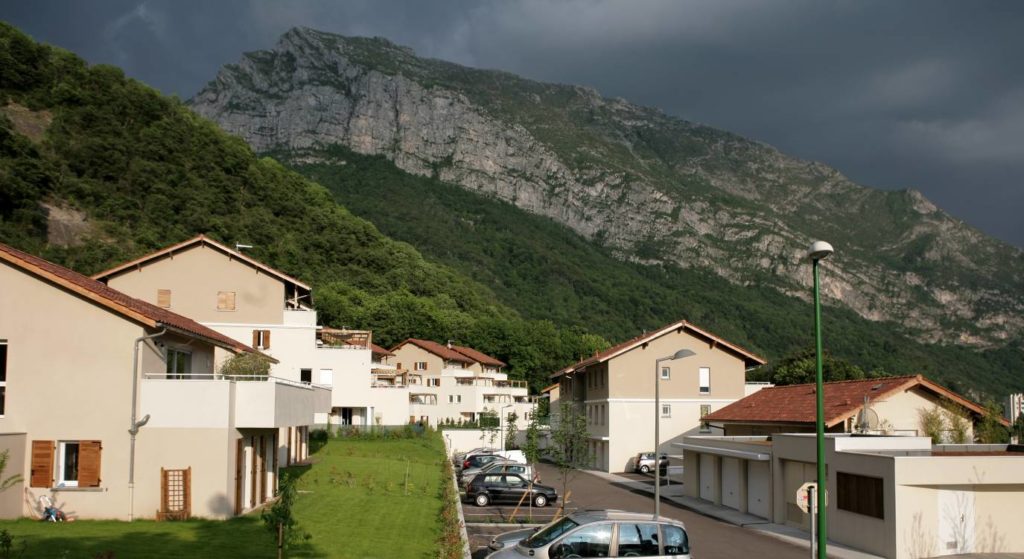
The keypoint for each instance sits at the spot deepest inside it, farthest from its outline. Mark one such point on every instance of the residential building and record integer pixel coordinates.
(615, 388)
(457, 383)
(898, 497)
(891, 405)
(112, 406)
(1014, 407)
(256, 304)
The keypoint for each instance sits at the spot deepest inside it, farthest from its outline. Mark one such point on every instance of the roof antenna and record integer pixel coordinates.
(240, 246)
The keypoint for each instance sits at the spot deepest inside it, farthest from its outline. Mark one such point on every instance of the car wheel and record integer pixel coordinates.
(645, 469)
(540, 501)
(482, 500)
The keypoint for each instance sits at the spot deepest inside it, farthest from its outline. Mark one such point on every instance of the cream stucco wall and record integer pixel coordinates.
(619, 393)
(195, 276)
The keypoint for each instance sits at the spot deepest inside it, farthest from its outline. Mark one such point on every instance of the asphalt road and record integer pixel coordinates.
(709, 538)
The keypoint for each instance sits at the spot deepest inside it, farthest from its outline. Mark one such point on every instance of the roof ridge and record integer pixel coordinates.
(848, 380)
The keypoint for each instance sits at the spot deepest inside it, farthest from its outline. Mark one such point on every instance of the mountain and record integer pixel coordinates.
(547, 271)
(96, 169)
(649, 188)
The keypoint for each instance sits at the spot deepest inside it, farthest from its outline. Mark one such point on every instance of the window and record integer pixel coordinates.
(3, 377)
(638, 540)
(225, 300)
(666, 373)
(860, 494)
(163, 298)
(306, 375)
(420, 366)
(433, 382)
(66, 464)
(179, 364)
(705, 380)
(451, 399)
(676, 541)
(589, 541)
(261, 339)
(705, 409)
(666, 410)
(458, 399)
(327, 377)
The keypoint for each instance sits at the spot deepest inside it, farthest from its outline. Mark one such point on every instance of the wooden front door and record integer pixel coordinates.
(239, 476)
(263, 468)
(253, 472)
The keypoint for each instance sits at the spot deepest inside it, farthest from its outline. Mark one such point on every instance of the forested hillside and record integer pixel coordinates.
(544, 269)
(96, 169)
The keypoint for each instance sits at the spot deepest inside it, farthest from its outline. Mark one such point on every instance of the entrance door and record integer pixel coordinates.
(956, 521)
(346, 416)
(239, 476)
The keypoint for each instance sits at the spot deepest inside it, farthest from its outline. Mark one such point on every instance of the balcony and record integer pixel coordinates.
(205, 401)
(423, 399)
(510, 383)
(497, 399)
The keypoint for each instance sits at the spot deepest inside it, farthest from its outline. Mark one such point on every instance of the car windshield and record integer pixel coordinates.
(549, 533)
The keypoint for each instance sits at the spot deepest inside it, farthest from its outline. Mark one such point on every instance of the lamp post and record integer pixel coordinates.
(819, 250)
(501, 425)
(657, 423)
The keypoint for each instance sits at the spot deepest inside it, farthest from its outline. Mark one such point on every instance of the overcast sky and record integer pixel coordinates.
(920, 94)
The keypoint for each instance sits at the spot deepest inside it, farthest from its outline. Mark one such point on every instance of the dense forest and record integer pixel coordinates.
(146, 172)
(137, 171)
(545, 270)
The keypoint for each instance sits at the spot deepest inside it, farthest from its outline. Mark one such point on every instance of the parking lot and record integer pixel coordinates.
(709, 538)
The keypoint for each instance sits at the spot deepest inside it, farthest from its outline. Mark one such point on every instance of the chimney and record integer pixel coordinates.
(449, 344)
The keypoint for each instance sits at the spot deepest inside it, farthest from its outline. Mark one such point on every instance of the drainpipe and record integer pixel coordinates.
(133, 428)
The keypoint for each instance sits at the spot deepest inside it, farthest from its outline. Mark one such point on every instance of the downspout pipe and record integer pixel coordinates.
(133, 427)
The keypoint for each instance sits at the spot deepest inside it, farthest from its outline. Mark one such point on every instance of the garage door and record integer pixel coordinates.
(731, 483)
(707, 477)
(758, 486)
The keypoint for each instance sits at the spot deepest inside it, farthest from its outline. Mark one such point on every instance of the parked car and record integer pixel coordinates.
(604, 534)
(459, 457)
(508, 488)
(499, 467)
(510, 539)
(478, 460)
(644, 463)
(513, 455)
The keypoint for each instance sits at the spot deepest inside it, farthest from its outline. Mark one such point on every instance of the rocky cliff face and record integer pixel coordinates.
(651, 187)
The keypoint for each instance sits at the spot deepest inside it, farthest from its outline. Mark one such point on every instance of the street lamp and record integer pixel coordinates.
(657, 423)
(819, 250)
(501, 424)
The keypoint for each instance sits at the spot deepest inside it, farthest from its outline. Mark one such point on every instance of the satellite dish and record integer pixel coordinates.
(867, 418)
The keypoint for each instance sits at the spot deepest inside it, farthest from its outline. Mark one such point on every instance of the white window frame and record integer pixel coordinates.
(458, 398)
(419, 366)
(666, 373)
(61, 450)
(666, 410)
(705, 380)
(176, 352)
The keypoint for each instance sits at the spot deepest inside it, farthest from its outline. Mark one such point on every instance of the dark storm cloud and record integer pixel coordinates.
(927, 95)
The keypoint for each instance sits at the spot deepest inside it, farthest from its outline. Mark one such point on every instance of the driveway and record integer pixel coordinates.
(709, 538)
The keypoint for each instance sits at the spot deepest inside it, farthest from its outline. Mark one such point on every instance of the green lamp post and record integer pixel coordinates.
(819, 250)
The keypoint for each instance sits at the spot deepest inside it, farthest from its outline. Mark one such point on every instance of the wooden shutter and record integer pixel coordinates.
(89, 453)
(266, 339)
(256, 339)
(42, 464)
(163, 298)
(225, 300)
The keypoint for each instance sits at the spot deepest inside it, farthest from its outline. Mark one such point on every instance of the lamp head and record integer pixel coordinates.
(819, 250)
(678, 355)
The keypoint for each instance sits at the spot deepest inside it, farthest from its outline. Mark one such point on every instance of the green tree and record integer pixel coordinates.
(511, 431)
(570, 445)
(933, 423)
(1018, 428)
(245, 365)
(990, 429)
(531, 440)
(801, 368)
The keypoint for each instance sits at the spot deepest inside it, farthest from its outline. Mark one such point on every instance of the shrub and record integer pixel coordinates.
(244, 365)
(933, 423)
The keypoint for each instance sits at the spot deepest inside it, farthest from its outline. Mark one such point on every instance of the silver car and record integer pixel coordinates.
(510, 539)
(604, 534)
(498, 467)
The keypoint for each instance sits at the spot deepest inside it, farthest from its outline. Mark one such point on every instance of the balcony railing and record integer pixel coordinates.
(510, 383)
(248, 401)
(423, 399)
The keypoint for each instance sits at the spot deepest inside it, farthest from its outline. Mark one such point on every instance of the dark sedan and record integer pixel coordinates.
(508, 488)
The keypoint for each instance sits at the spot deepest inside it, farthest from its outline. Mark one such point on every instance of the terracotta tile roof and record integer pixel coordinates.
(200, 240)
(478, 356)
(749, 358)
(437, 349)
(843, 399)
(129, 307)
(377, 350)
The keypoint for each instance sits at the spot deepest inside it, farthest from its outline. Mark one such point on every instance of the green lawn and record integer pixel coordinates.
(352, 501)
